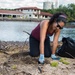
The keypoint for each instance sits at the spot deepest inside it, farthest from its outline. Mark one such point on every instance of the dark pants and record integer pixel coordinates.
(34, 47)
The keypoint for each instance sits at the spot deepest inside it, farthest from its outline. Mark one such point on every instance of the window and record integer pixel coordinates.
(14, 16)
(35, 15)
(0, 15)
(34, 10)
(4, 15)
(21, 10)
(45, 16)
(29, 15)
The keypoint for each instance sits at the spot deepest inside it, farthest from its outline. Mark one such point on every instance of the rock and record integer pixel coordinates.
(20, 63)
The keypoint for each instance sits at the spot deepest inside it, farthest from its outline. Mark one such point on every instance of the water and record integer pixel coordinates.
(13, 31)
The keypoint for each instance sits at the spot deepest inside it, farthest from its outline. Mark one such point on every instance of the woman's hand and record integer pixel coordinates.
(55, 41)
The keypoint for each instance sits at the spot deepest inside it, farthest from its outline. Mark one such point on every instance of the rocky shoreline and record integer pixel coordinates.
(15, 60)
(26, 20)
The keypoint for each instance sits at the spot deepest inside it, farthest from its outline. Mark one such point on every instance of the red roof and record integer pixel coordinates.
(10, 12)
(26, 8)
(44, 13)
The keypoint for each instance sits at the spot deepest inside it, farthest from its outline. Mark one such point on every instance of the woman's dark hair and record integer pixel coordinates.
(57, 18)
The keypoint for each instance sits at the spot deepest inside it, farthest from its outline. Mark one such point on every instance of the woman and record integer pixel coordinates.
(39, 38)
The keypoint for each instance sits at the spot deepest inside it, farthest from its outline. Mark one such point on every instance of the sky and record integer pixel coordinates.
(12, 4)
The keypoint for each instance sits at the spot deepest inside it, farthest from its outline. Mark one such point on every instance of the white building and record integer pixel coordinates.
(24, 13)
(47, 5)
(56, 3)
(9, 14)
(33, 13)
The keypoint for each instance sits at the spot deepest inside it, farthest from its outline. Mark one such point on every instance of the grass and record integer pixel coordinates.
(54, 63)
(14, 67)
(64, 61)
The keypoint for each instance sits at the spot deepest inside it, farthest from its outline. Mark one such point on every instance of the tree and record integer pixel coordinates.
(68, 10)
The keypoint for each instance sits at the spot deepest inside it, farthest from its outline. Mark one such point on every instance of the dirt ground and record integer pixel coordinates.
(15, 60)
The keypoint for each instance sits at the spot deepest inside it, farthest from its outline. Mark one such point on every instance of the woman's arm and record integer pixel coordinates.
(55, 41)
(43, 30)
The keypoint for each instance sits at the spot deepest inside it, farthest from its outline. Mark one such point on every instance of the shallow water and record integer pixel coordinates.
(13, 31)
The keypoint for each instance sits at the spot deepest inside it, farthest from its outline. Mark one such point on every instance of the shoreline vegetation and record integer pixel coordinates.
(16, 19)
(15, 60)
